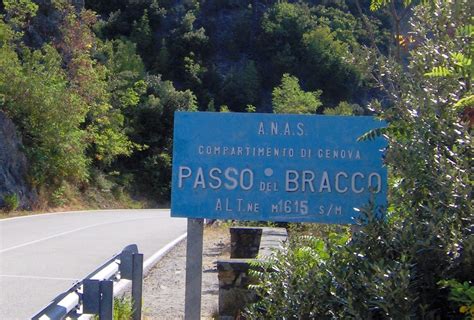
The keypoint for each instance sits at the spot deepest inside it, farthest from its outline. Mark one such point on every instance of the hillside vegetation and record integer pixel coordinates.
(415, 259)
(93, 89)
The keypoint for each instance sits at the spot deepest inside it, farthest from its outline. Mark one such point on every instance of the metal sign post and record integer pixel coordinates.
(192, 304)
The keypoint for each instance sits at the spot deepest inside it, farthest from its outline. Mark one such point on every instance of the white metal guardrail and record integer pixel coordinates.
(95, 293)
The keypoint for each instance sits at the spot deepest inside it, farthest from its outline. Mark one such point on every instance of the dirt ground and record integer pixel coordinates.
(163, 288)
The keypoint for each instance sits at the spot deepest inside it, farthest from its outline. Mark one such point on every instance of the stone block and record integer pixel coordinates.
(246, 245)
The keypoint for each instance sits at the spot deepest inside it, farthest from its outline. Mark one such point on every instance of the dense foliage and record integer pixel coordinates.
(93, 89)
(79, 101)
(417, 262)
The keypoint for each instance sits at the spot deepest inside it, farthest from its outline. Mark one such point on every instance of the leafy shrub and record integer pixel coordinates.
(158, 168)
(332, 277)
(118, 192)
(390, 269)
(101, 181)
(299, 281)
(123, 309)
(11, 202)
(58, 197)
(462, 294)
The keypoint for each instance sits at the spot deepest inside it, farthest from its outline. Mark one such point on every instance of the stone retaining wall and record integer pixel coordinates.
(247, 244)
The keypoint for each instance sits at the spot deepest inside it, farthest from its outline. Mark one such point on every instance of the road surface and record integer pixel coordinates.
(43, 255)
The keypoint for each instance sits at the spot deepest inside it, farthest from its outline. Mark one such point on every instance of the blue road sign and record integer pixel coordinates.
(270, 167)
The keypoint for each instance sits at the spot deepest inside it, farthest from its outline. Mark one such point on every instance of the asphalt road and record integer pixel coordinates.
(43, 255)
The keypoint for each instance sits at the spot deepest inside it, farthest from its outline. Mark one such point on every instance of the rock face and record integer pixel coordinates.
(13, 165)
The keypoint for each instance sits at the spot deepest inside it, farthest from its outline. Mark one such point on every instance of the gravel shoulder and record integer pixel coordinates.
(163, 288)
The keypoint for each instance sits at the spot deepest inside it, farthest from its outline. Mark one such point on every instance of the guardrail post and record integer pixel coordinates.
(98, 298)
(91, 296)
(107, 300)
(137, 285)
(126, 261)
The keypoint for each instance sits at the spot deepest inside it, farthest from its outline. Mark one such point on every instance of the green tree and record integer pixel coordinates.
(186, 37)
(283, 26)
(288, 97)
(321, 45)
(331, 65)
(125, 73)
(19, 13)
(241, 87)
(103, 123)
(36, 94)
(141, 34)
(152, 126)
(194, 70)
(121, 55)
(162, 63)
(344, 109)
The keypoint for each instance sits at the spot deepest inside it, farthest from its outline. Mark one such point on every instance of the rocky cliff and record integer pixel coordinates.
(13, 165)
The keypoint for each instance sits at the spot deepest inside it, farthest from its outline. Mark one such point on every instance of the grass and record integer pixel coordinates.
(122, 309)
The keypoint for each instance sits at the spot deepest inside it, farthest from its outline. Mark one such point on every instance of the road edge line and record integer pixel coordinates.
(45, 214)
(157, 256)
(151, 261)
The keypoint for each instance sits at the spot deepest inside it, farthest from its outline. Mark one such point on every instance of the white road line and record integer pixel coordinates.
(160, 253)
(37, 215)
(123, 284)
(150, 262)
(35, 278)
(68, 232)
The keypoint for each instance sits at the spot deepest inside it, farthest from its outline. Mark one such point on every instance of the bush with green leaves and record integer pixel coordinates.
(11, 202)
(391, 268)
(58, 197)
(58, 96)
(462, 295)
(294, 282)
(336, 276)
